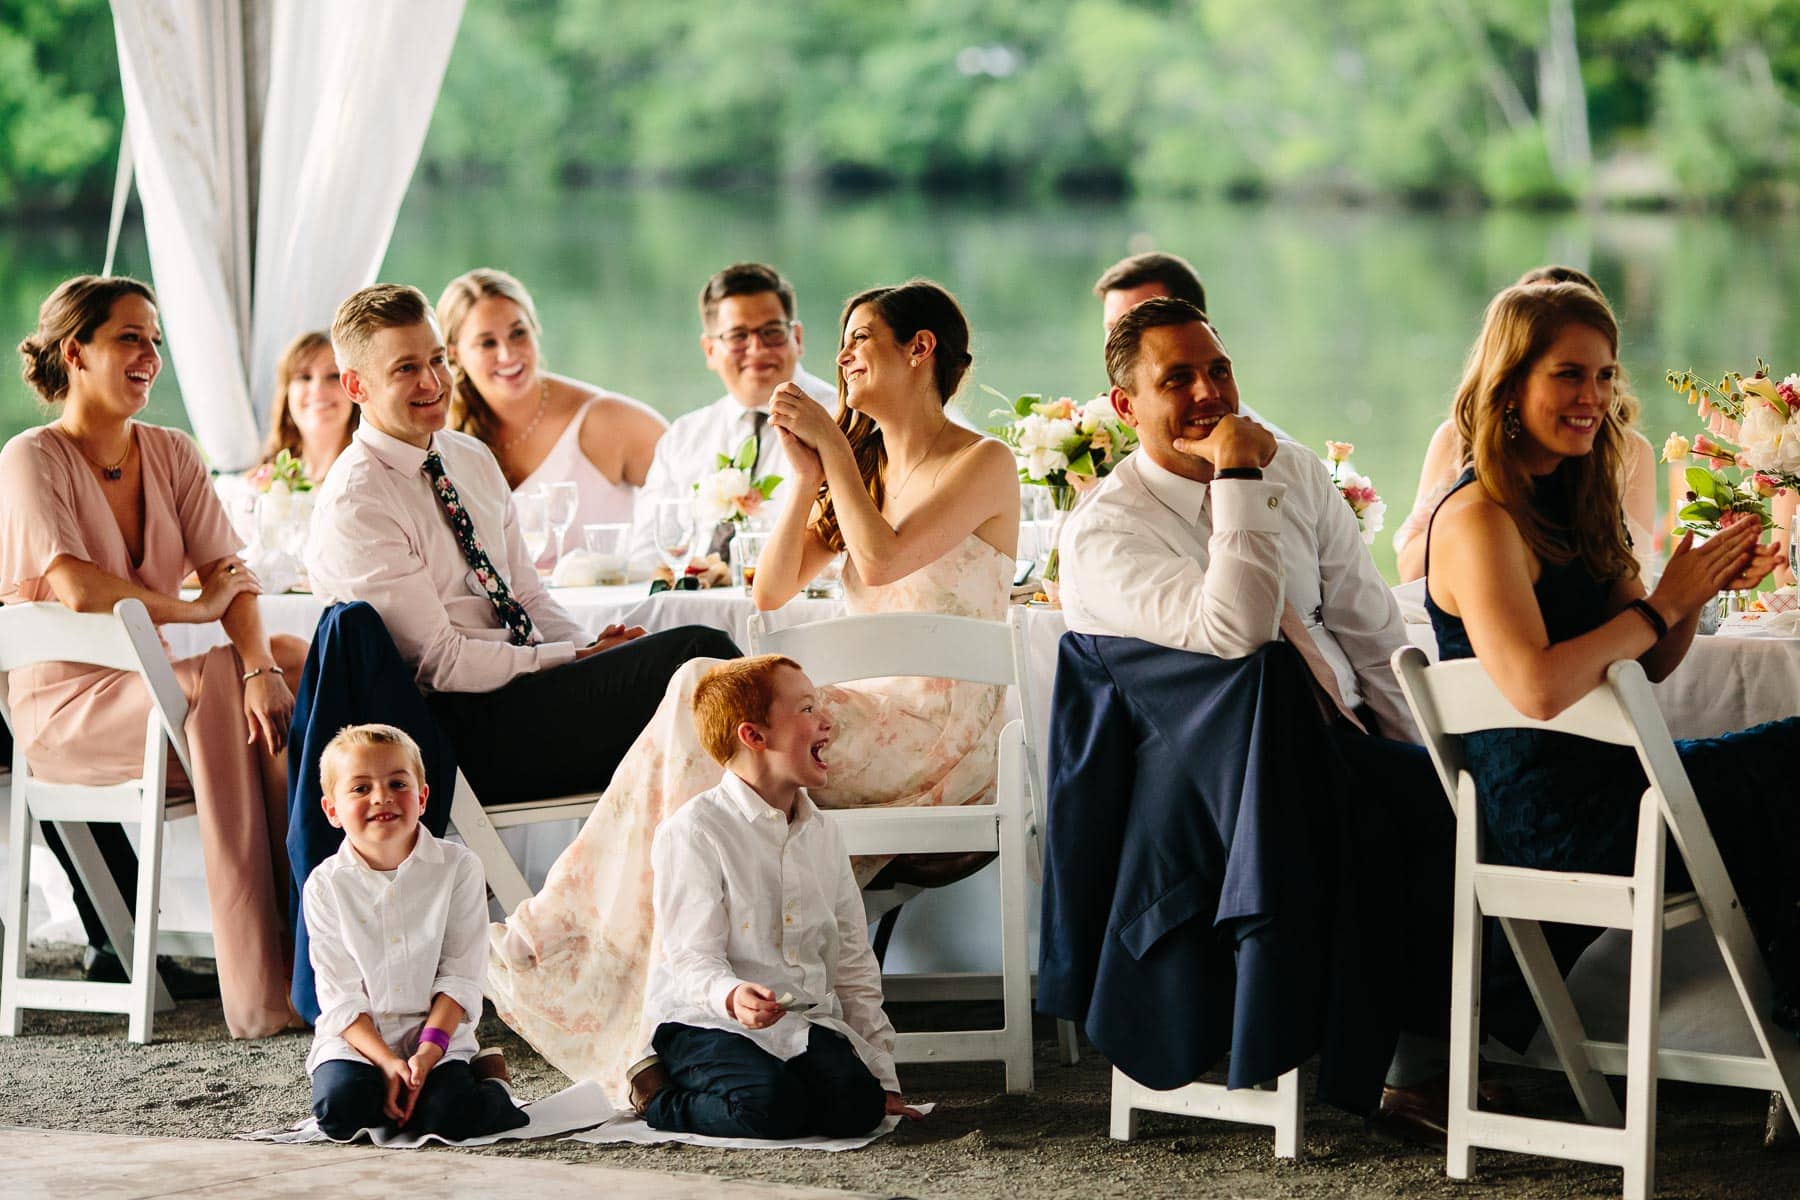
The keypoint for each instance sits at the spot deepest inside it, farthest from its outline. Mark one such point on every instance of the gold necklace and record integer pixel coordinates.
(930, 446)
(111, 474)
(543, 405)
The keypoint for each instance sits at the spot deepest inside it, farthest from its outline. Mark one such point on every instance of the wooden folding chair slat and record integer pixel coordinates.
(1453, 699)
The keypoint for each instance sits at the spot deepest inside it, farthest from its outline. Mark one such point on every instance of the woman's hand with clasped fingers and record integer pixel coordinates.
(806, 470)
(227, 579)
(1695, 574)
(792, 411)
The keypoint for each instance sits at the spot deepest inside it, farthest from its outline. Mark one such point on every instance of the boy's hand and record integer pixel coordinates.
(898, 1107)
(427, 1056)
(396, 1074)
(754, 1006)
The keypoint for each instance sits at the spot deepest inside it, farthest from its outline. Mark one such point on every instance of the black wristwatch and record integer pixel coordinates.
(1238, 473)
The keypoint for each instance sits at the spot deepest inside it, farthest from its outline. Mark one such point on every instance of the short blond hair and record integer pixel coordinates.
(351, 736)
(730, 694)
(367, 312)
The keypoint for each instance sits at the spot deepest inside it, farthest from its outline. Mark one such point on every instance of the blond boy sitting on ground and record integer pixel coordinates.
(399, 945)
(764, 1000)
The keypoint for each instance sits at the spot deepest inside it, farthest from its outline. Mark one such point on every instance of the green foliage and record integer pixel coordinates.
(1421, 99)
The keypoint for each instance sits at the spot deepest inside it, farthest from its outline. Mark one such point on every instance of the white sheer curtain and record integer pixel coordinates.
(351, 87)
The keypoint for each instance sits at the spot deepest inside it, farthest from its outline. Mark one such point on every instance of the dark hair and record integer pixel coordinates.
(76, 309)
(1170, 270)
(912, 306)
(1552, 273)
(1127, 334)
(284, 434)
(374, 308)
(743, 279)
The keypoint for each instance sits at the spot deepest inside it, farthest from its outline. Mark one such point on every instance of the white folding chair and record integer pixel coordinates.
(970, 650)
(123, 641)
(1278, 1105)
(1457, 698)
(480, 827)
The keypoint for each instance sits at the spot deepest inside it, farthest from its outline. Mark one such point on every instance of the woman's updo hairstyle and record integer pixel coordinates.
(906, 309)
(77, 308)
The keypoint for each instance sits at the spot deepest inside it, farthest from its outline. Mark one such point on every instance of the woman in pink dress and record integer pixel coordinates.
(543, 428)
(927, 514)
(96, 508)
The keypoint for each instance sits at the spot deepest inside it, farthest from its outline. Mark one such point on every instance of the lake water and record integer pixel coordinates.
(1344, 324)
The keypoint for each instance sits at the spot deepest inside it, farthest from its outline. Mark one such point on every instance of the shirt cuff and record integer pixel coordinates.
(1249, 505)
(718, 993)
(333, 1021)
(554, 654)
(465, 991)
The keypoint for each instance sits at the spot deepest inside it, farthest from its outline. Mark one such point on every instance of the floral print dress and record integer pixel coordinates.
(567, 970)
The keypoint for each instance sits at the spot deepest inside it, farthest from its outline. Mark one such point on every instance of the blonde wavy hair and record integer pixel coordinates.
(1518, 329)
(284, 434)
(469, 412)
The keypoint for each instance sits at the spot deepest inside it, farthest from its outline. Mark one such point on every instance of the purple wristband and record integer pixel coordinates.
(436, 1037)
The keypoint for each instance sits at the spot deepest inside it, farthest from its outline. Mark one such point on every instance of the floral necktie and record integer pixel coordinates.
(512, 614)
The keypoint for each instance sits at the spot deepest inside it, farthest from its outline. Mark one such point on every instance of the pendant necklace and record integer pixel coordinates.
(932, 445)
(543, 405)
(113, 473)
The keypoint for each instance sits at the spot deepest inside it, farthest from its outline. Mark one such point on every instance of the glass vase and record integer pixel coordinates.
(1062, 503)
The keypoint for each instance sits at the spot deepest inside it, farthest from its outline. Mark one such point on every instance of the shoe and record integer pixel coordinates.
(491, 1064)
(646, 1078)
(1422, 1113)
(103, 965)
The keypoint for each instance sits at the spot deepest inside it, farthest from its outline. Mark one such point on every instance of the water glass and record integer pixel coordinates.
(533, 508)
(673, 529)
(610, 545)
(564, 500)
(746, 552)
(827, 585)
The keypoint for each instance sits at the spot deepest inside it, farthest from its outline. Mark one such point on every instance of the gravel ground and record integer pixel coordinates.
(75, 1071)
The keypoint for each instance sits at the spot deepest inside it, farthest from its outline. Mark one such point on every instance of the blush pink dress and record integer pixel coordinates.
(568, 969)
(81, 724)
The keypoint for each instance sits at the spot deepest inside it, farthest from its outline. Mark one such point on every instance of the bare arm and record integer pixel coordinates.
(82, 586)
(622, 433)
(793, 553)
(1438, 470)
(979, 486)
(1640, 482)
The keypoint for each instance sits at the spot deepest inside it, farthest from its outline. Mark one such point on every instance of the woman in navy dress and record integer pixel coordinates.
(1529, 569)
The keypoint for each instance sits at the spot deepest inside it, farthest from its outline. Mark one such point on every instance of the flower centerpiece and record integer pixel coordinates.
(284, 505)
(1358, 490)
(730, 494)
(1057, 442)
(1753, 426)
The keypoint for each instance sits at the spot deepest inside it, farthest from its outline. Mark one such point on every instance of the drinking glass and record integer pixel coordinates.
(609, 545)
(564, 499)
(533, 508)
(1793, 552)
(827, 585)
(746, 552)
(674, 532)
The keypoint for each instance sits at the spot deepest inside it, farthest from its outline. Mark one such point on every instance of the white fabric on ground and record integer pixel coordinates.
(579, 1106)
(628, 1129)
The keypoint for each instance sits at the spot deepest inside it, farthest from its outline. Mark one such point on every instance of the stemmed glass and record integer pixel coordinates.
(564, 498)
(533, 508)
(674, 531)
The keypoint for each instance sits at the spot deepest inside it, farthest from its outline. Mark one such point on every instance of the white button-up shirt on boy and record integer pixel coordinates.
(689, 451)
(1206, 567)
(386, 943)
(743, 895)
(380, 534)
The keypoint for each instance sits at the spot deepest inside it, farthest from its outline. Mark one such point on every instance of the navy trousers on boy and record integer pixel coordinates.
(725, 1085)
(348, 1096)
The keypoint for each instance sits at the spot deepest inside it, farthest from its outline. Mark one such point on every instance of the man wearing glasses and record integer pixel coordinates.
(752, 342)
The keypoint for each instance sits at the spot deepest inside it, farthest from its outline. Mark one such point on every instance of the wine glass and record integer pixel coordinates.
(674, 531)
(533, 508)
(564, 498)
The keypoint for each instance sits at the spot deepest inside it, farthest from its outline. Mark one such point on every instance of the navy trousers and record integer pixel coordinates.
(725, 1085)
(348, 1097)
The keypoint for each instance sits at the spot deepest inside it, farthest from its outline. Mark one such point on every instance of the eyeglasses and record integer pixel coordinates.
(775, 333)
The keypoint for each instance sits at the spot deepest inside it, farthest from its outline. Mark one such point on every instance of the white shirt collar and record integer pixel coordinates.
(390, 451)
(426, 848)
(1183, 496)
(749, 802)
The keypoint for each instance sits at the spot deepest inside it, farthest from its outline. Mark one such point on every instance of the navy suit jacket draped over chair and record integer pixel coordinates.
(1209, 863)
(354, 674)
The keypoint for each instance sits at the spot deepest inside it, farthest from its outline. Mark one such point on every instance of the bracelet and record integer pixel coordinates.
(1238, 473)
(436, 1037)
(1646, 610)
(249, 675)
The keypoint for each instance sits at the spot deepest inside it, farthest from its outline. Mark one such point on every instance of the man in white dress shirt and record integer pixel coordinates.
(419, 523)
(753, 342)
(1200, 539)
(1140, 277)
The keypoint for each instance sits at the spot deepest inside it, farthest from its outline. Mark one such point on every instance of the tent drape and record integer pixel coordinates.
(351, 87)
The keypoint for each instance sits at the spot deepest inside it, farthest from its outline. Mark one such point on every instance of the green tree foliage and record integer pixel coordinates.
(1513, 101)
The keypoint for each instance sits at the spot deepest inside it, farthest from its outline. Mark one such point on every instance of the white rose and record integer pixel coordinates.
(1039, 463)
(1787, 450)
(1098, 411)
(1761, 436)
(1371, 520)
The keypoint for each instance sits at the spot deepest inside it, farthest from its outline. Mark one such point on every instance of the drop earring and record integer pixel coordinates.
(1510, 424)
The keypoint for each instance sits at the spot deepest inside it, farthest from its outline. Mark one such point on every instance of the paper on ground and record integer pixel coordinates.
(627, 1128)
(577, 1107)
